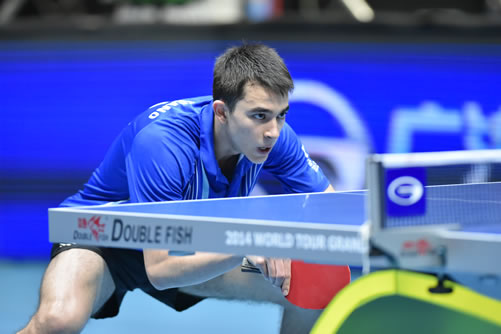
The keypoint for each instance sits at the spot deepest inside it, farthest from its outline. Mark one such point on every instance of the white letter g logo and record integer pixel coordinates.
(405, 190)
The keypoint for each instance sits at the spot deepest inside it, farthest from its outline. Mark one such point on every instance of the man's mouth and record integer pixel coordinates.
(264, 149)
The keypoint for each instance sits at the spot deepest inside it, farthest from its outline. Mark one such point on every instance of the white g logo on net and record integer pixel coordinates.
(405, 190)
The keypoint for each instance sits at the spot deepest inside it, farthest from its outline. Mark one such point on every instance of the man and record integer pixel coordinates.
(204, 147)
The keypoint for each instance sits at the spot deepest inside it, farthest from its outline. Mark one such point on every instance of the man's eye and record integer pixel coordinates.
(259, 116)
(282, 115)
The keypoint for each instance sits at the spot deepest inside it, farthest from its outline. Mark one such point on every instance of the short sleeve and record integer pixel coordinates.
(159, 165)
(291, 165)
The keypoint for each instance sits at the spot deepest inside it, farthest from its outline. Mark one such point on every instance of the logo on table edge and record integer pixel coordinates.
(418, 247)
(90, 228)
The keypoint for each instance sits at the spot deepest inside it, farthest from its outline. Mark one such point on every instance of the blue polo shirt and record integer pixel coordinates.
(167, 153)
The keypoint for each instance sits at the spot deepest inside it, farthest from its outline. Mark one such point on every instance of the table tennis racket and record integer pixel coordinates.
(312, 285)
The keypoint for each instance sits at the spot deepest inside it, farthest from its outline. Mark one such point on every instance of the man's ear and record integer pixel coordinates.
(220, 110)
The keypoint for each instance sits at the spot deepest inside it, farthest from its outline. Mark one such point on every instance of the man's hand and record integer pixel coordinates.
(277, 271)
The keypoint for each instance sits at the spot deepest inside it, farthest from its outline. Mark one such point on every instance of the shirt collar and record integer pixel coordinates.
(207, 154)
(214, 175)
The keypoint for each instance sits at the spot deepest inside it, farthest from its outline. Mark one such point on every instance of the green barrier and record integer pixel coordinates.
(412, 285)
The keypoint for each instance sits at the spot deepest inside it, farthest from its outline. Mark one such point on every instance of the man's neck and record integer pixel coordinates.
(227, 166)
(226, 158)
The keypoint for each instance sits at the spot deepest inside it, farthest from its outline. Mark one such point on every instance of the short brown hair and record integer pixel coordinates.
(249, 63)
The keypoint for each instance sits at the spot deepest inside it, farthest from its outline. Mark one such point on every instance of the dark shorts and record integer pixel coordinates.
(127, 270)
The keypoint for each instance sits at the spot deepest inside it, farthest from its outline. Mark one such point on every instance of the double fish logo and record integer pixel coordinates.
(405, 190)
(93, 225)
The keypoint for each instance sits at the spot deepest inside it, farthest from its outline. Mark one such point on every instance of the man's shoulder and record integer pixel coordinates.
(190, 107)
(176, 118)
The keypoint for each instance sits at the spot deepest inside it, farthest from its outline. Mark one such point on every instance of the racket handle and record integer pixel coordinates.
(247, 267)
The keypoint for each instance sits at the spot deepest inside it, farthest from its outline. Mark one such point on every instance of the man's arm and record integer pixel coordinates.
(277, 271)
(166, 271)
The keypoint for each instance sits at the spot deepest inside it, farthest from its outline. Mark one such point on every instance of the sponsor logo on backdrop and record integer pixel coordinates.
(341, 147)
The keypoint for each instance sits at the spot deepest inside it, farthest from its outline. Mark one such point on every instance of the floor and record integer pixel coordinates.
(19, 282)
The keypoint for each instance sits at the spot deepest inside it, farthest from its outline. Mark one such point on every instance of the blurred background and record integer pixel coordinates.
(371, 76)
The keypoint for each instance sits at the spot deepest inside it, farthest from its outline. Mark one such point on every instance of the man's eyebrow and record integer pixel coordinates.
(264, 110)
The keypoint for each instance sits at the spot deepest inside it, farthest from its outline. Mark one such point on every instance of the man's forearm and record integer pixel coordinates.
(166, 271)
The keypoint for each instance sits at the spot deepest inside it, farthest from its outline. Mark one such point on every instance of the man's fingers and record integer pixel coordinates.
(277, 271)
(286, 286)
(286, 283)
(260, 263)
(273, 271)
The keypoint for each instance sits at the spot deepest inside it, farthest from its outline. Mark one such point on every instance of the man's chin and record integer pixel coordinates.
(257, 159)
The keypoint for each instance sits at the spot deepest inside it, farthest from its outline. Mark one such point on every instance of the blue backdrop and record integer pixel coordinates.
(62, 103)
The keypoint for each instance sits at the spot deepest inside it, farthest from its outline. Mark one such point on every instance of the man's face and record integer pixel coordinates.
(256, 122)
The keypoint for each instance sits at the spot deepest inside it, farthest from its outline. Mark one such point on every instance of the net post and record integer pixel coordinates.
(375, 199)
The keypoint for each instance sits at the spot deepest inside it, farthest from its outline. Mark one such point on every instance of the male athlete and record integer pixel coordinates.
(203, 147)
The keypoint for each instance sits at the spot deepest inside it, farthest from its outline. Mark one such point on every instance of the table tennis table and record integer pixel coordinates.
(441, 229)
(318, 227)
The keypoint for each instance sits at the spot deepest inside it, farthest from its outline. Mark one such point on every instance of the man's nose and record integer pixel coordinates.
(273, 130)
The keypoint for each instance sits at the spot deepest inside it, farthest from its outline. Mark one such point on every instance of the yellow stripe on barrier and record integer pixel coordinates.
(407, 284)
